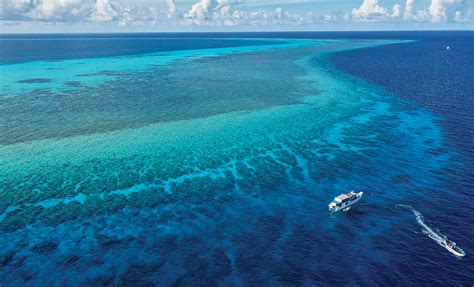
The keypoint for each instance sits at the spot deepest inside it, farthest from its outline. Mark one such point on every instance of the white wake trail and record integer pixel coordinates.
(438, 237)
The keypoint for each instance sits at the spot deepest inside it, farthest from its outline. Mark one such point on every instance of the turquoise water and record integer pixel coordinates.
(214, 167)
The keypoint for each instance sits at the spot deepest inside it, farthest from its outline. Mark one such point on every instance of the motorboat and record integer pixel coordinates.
(345, 201)
(453, 248)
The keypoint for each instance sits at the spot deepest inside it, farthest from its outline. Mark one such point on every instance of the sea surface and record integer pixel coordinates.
(210, 159)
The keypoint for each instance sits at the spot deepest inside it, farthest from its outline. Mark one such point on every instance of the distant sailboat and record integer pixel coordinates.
(448, 48)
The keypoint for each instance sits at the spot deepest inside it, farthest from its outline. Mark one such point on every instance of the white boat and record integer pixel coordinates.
(453, 248)
(345, 201)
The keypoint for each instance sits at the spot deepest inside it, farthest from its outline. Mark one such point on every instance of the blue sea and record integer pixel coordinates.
(209, 159)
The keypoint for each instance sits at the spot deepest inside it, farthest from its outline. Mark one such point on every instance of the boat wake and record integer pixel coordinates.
(437, 236)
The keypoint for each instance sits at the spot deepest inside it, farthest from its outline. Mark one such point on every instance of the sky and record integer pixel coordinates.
(70, 16)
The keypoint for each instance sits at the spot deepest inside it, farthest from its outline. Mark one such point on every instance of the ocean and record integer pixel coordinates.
(209, 159)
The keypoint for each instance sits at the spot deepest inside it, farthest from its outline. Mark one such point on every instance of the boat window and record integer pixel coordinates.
(348, 199)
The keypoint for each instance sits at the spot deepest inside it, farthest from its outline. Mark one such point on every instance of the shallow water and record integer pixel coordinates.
(217, 170)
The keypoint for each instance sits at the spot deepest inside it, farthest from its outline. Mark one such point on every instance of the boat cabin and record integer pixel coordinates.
(344, 197)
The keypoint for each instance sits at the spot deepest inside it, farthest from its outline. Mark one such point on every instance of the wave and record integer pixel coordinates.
(437, 236)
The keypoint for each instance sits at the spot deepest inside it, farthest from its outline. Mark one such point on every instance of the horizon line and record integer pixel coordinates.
(236, 32)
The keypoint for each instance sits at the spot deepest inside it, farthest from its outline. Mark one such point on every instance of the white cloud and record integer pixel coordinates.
(227, 13)
(443, 11)
(437, 10)
(397, 11)
(201, 11)
(409, 9)
(58, 10)
(172, 10)
(448, 10)
(103, 11)
(212, 11)
(279, 16)
(80, 11)
(369, 9)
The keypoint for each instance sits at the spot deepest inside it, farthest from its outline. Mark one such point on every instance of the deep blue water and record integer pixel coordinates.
(408, 141)
(24, 48)
(425, 74)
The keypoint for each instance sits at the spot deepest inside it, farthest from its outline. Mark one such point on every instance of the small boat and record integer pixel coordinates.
(437, 236)
(448, 48)
(453, 248)
(345, 201)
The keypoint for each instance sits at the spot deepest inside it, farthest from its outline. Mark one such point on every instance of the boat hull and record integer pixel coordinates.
(454, 251)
